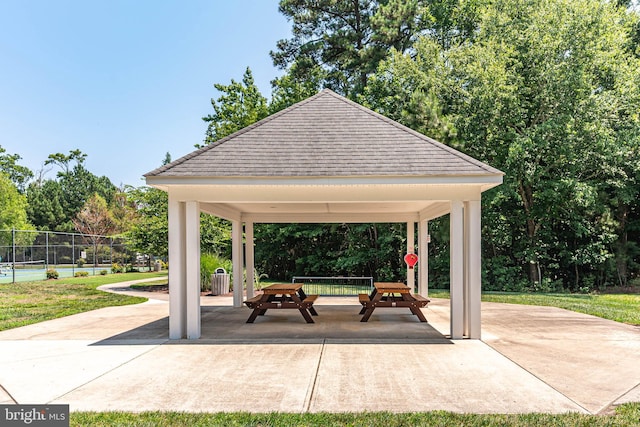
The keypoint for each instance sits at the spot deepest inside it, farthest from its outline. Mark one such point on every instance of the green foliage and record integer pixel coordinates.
(103, 272)
(341, 43)
(13, 214)
(52, 273)
(81, 262)
(286, 250)
(548, 93)
(215, 235)
(64, 160)
(257, 279)
(53, 204)
(83, 273)
(117, 268)
(288, 89)
(79, 185)
(209, 262)
(240, 105)
(45, 209)
(19, 175)
(148, 232)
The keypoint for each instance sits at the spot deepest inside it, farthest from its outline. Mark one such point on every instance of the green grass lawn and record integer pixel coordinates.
(625, 415)
(24, 303)
(624, 308)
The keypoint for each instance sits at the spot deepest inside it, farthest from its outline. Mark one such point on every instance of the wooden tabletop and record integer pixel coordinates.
(282, 288)
(384, 287)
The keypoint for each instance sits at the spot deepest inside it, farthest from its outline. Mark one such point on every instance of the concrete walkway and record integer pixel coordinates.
(531, 359)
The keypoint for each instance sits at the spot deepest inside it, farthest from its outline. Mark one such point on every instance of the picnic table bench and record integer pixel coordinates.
(282, 296)
(392, 295)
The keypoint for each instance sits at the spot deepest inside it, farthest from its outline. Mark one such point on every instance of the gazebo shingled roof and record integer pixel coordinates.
(325, 135)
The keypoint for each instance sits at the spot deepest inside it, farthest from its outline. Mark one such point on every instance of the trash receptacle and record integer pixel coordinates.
(220, 282)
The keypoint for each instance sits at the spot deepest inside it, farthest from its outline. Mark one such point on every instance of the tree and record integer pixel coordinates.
(123, 211)
(546, 106)
(95, 223)
(167, 159)
(19, 175)
(149, 231)
(240, 105)
(95, 220)
(412, 88)
(53, 204)
(44, 208)
(64, 160)
(334, 38)
(289, 89)
(344, 41)
(13, 214)
(547, 92)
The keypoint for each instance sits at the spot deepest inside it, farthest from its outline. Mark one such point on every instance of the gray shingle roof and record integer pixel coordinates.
(325, 135)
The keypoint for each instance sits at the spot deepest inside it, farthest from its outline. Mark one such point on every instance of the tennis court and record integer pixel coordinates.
(37, 270)
(25, 255)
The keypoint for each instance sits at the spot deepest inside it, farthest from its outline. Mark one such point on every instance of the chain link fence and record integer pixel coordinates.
(27, 255)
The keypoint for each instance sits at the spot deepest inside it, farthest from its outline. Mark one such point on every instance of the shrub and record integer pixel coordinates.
(103, 272)
(52, 274)
(81, 274)
(208, 264)
(117, 268)
(81, 262)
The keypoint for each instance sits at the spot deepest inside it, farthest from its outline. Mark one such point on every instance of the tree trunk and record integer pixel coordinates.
(526, 195)
(622, 256)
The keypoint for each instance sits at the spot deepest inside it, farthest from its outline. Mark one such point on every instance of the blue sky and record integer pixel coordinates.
(124, 81)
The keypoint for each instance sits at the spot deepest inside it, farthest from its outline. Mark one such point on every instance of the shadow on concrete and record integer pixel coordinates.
(334, 324)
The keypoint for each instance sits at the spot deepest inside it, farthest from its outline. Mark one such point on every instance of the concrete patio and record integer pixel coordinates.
(530, 359)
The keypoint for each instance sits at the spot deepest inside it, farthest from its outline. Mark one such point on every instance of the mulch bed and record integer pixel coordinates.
(165, 289)
(621, 290)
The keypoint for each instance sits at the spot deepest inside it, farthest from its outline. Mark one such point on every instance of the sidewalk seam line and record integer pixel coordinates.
(315, 376)
(613, 402)
(9, 394)
(107, 372)
(537, 377)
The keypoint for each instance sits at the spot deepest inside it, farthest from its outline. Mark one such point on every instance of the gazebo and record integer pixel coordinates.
(324, 160)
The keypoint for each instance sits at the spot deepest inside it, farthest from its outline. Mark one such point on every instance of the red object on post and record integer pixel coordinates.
(411, 259)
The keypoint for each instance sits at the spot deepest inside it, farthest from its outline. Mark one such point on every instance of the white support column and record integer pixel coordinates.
(423, 263)
(465, 276)
(250, 258)
(238, 262)
(456, 270)
(177, 270)
(192, 262)
(411, 249)
(473, 268)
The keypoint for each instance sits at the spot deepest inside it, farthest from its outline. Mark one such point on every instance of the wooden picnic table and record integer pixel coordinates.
(282, 295)
(391, 295)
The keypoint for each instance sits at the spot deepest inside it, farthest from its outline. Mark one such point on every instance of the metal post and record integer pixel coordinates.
(46, 245)
(13, 245)
(95, 253)
(73, 255)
